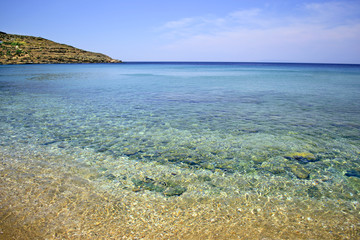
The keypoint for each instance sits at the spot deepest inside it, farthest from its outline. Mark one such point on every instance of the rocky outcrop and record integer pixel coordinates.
(19, 49)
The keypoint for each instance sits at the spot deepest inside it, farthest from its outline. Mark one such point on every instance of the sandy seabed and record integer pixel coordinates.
(44, 197)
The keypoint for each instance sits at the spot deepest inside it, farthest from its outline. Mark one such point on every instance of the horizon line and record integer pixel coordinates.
(242, 62)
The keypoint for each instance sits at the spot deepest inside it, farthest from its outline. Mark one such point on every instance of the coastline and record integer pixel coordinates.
(46, 198)
(20, 49)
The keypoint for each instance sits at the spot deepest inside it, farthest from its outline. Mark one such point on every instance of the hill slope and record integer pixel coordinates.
(19, 49)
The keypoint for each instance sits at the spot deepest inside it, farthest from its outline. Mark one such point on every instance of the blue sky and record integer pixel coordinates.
(195, 30)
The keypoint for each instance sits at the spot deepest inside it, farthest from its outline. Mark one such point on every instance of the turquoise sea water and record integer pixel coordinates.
(298, 122)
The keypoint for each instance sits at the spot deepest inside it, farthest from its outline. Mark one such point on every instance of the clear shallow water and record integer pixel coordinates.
(293, 121)
(180, 151)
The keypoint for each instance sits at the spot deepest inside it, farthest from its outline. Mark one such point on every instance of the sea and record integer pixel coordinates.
(180, 150)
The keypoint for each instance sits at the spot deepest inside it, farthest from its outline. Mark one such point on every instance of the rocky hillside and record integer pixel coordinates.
(18, 49)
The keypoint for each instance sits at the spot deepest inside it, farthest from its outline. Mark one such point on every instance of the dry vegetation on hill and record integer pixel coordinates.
(18, 49)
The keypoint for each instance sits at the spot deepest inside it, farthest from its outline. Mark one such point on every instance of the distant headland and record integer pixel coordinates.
(19, 49)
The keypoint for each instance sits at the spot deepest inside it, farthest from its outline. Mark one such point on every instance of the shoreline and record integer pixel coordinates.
(179, 152)
(44, 197)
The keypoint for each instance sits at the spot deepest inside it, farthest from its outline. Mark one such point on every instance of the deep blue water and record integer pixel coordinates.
(231, 117)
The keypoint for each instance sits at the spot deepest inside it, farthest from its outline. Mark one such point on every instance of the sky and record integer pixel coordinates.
(315, 31)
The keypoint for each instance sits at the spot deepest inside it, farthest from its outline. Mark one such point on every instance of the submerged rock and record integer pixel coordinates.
(157, 186)
(353, 173)
(174, 191)
(258, 159)
(300, 172)
(48, 143)
(354, 183)
(204, 178)
(111, 176)
(208, 166)
(147, 184)
(314, 192)
(302, 157)
(131, 151)
(275, 167)
(100, 150)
